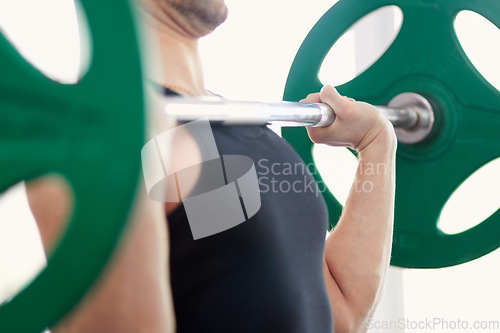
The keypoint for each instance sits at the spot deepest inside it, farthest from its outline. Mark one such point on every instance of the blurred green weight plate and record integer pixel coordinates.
(91, 133)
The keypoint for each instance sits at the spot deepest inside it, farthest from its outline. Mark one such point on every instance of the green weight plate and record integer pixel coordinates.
(425, 58)
(91, 133)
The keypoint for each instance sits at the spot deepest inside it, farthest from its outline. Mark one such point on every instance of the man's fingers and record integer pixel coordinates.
(311, 98)
(315, 98)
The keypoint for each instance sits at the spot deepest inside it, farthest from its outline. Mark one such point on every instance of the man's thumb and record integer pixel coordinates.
(331, 96)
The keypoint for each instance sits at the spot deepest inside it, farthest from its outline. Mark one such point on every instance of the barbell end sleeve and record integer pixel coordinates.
(417, 106)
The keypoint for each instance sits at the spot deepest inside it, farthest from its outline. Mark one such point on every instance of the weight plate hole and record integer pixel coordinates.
(337, 166)
(361, 45)
(481, 44)
(476, 199)
(52, 35)
(21, 249)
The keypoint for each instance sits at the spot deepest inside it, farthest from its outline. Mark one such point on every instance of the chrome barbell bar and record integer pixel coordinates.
(411, 114)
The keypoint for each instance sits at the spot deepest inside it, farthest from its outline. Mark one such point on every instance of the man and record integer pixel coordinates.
(272, 273)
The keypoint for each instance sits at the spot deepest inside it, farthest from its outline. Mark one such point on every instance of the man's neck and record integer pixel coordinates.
(179, 60)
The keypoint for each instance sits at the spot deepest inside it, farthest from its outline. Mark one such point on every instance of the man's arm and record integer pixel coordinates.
(357, 252)
(133, 293)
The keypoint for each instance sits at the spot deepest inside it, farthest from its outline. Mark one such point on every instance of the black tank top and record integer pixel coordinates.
(265, 274)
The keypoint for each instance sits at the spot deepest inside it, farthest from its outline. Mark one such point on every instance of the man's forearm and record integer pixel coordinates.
(358, 251)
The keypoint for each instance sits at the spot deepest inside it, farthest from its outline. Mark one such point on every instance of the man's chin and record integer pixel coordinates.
(199, 17)
(212, 18)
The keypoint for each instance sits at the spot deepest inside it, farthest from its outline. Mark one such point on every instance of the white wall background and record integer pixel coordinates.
(249, 58)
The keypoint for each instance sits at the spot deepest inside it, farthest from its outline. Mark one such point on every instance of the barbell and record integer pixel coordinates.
(92, 133)
(410, 113)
